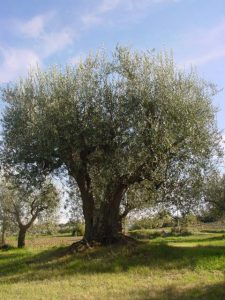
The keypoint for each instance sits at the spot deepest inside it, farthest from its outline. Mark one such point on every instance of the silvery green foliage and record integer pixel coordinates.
(127, 118)
(214, 192)
(23, 203)
(6, 219)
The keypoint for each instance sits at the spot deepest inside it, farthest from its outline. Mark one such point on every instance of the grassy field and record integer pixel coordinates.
(191, 267)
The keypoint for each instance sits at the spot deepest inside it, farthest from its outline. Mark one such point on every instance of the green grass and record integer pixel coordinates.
(191, 267)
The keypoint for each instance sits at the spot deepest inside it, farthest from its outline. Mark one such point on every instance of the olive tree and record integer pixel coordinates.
(214, 193)
(23, 204)
(113, 122)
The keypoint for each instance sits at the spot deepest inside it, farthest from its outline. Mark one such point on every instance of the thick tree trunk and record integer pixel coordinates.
(102, 221)
(103, 224)
(106, 226)
(21, 236)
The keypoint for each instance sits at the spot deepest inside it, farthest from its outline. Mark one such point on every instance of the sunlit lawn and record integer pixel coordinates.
(191, 267)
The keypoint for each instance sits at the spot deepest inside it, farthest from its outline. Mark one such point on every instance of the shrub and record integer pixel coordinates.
(78, 229)
(162, 219)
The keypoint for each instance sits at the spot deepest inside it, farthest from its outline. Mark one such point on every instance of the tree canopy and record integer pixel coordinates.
(114, 122)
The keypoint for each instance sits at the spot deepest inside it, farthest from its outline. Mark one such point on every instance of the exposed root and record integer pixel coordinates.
(128, 240)
(84, 245)
(79, 246)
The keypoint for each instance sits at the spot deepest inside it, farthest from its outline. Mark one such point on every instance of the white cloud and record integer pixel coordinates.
(143, 4)
(56, 41)
(209, 45)
(216, 33)
(98, 14)
(42, 41)
(42, 35)
(108, 5)
(34, 27)
(91, 19)
(206, 58)
(16, 62)
(164, 1)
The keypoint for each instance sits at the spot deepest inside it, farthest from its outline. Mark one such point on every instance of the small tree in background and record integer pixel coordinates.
(24, 203)
(214, 195)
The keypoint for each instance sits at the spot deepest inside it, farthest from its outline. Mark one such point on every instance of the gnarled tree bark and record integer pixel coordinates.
(102, 221)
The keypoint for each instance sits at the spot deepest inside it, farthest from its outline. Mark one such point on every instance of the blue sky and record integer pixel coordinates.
(47, 32)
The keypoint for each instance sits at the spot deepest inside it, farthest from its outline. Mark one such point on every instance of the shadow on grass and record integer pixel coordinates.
(213, 231)
(53, 263)
(208, 292)
(196, 240)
